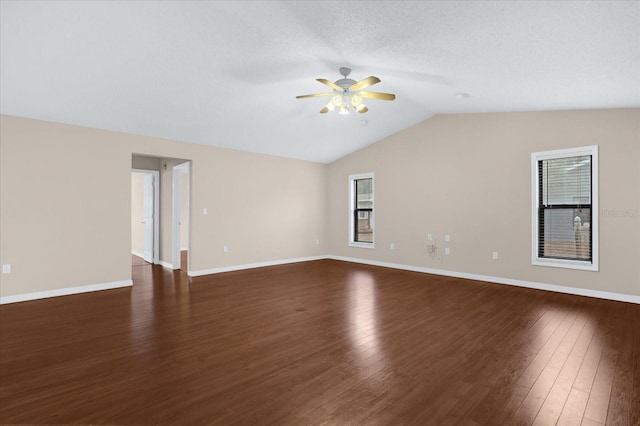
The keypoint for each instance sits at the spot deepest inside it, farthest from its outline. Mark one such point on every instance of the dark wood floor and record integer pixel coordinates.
(322, 342)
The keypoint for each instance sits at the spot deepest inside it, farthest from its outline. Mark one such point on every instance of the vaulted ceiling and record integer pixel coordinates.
(227, 73)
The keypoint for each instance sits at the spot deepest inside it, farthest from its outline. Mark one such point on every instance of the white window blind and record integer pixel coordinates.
(565, 208)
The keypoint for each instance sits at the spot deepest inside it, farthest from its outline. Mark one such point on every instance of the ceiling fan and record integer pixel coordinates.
(348, 92)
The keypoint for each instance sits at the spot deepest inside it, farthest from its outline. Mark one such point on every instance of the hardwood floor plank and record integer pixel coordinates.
(573, 410)
(601, 389)
(569, 364)
(619, 409)
(322, 342)
(544, 370)
(589, 422)
(528, 410)
(634, 415)
(559, 393)
(552, 336)
(589, 367)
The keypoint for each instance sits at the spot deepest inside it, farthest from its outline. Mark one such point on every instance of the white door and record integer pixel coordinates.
(180, 172)
(148, 225)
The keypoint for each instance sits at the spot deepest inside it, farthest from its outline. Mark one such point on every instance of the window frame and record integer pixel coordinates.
(536, 260)
(353, 211)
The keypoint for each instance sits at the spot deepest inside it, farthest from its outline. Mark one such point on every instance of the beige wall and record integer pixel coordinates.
(65, 206)
(60, 231)
(466, 175)
(469, 176)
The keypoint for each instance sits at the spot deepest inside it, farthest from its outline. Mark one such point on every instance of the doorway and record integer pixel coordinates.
(171, 189)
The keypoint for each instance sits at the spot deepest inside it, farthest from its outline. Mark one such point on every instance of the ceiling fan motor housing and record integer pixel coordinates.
(345, 82)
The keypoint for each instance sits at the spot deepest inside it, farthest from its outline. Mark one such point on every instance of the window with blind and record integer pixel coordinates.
(361, 210)
(565, 213)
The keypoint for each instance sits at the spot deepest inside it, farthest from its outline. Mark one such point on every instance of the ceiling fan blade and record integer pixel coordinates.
(315, 95)
(329, 83)
(378, 95)
(369, 81)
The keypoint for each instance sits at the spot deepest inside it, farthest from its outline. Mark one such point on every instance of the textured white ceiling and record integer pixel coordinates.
(227, 73)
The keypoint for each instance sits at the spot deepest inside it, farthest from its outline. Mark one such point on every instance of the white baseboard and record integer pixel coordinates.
(65, 291)
(498, 280)
(165, 264)
(253, 265)
(137, 253)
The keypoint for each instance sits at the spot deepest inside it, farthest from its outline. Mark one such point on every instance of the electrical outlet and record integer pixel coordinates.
(447, 251)
(429, 237)
(392, 246)
(6, 268)
(447, 238)
(317, 242)
(205, 211)
(495, 255)
(225, 249)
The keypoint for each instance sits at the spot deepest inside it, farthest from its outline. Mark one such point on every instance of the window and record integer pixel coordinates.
(361, 210)
(565, 208)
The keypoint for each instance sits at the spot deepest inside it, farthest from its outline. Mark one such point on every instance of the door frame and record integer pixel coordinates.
(156, 210)
(177, 198)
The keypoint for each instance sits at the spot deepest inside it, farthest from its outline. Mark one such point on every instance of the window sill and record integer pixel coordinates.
(567, 264)
(362, 245)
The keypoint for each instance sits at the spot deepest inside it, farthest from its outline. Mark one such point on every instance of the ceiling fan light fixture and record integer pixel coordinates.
(356, 101)
(349, 93)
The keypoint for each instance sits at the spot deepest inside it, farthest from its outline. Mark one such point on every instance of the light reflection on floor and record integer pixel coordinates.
(363, 324)
(150, 284)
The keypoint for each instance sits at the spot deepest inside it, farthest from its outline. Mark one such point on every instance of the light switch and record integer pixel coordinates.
(447, 237)
(205, 211)
(6, 268)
